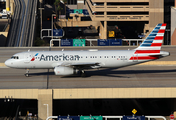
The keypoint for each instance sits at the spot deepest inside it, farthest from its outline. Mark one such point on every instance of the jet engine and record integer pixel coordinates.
(64, 70)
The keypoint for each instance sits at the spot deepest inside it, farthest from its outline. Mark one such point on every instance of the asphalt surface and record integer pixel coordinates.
(13, 38)
(132, 76)
(22, 29)
(27, 35)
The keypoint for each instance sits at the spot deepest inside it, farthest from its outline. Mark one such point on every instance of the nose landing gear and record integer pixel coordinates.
(27, 73)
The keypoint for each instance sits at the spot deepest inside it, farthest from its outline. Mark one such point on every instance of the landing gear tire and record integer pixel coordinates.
(83, 74)
(27, 73)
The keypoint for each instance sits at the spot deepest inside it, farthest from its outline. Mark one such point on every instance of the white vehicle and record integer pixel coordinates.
(4, 15)
(70, 62)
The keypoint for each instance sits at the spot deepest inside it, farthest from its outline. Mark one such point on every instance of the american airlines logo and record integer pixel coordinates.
(34, 57)
(59, 57)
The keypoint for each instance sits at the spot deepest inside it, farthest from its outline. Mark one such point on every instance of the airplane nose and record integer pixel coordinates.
(7, 63)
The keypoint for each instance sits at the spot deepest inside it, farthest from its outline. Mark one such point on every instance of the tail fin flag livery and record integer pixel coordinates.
(151, 45)
(70, 62)
(154, 40)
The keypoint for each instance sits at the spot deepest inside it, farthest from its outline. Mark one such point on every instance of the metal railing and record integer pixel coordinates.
(48, 35)
(137, 42)
(120, 117)
(133, 40)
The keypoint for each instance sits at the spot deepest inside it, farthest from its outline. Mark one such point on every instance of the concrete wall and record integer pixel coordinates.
(78, 23)
(72, 6)
(7, 5)
(156, 13)
(80, 4)
(173, 26)
(155, 9)
(103, 30)
(12, 6)
(45, 103)
(4, 33)
(45, 96)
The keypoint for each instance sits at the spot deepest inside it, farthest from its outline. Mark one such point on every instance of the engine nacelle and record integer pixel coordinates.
(64, 70)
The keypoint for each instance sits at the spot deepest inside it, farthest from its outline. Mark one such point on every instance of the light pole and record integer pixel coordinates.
(47, 109)
(41, 17)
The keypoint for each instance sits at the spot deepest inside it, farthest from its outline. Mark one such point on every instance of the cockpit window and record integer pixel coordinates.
(14, 57)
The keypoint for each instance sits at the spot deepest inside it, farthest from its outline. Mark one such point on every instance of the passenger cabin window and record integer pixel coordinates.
(14, 57)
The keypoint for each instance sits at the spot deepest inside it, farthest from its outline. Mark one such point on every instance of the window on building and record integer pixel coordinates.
(72, 2)
(127, 3)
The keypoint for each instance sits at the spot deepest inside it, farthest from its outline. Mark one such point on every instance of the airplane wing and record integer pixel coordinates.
(81, 64)
(78, 65)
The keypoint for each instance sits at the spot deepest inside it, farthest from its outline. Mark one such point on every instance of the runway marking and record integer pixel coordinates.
(2, 65)
(161, 63)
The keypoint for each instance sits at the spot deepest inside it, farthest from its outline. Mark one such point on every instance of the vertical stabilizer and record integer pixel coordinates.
(153, 42)
(151, 46)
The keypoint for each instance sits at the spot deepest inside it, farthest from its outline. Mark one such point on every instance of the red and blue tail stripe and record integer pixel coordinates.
(150, 48)
(154, 39)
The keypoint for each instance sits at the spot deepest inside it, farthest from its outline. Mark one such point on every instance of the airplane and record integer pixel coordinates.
(72, 62)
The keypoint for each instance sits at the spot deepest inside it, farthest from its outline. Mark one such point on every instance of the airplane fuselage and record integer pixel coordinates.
(51, 59)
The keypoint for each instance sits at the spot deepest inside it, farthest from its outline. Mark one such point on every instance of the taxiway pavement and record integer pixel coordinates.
(128, 77)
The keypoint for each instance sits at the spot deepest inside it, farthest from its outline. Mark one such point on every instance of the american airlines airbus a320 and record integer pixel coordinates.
(70, 62)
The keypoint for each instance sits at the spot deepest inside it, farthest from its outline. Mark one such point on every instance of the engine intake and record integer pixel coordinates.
(64, 70)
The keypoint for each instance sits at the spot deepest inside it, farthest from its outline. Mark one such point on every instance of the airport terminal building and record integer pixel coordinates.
(133, 17)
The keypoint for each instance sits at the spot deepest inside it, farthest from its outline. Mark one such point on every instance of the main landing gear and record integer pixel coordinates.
(27, 73)
(82, 73)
